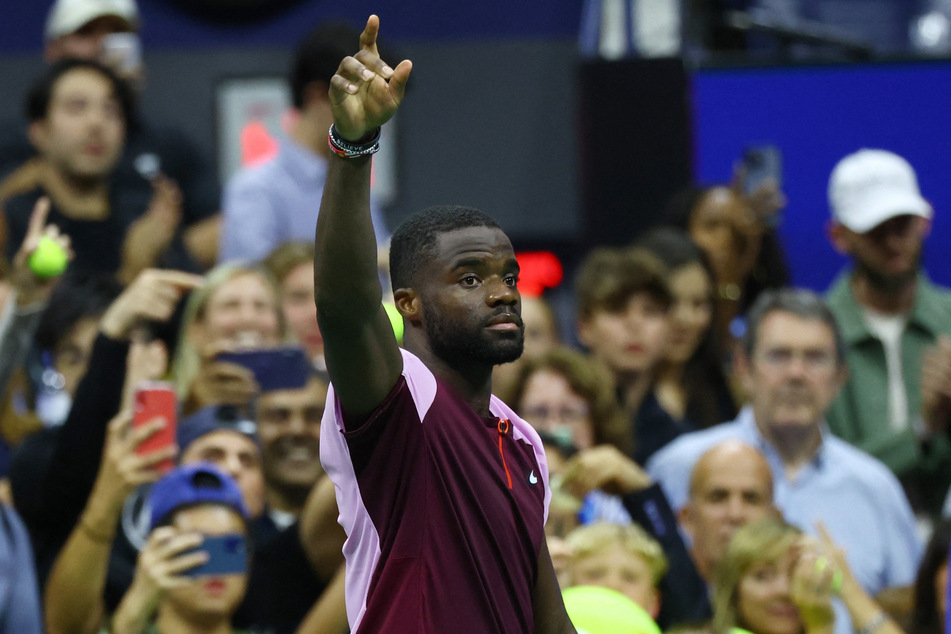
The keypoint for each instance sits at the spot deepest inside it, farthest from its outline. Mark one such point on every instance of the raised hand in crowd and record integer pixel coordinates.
(31, 287)
(936, 385)
(75, 587)
(812, 587)
(152, 296)
(74, 590)
(160, 568)
(221, 382)
(603, 467)
(149, 236)
(867, 615)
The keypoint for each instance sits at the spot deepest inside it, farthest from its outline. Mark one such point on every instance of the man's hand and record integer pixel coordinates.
(936, 385)
(152, 296)
(149, 236)
(606, 468)
(365, 92)
(30, 287)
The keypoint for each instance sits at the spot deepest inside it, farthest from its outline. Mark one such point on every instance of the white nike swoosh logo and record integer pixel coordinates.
(531, 478)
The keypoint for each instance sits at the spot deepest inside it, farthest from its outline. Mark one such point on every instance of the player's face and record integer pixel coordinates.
(470, 301)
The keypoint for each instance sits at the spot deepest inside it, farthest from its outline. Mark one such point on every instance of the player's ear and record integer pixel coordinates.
(408, 303)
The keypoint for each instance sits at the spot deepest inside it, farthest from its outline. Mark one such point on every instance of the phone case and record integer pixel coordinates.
(152, 400)
(227, 555)
(274, 368)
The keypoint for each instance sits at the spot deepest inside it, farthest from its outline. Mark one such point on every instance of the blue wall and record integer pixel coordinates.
(167, 26)
(817, 115)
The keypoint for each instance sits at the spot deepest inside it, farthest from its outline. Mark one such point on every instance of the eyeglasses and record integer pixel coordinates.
(812, 360)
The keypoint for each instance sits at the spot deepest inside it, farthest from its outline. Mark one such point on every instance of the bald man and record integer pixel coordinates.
(730, 486)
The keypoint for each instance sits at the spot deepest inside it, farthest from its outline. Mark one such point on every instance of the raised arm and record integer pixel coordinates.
(363, 359)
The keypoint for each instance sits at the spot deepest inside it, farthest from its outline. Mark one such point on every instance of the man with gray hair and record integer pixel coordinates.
(896, 403)
(793, 365)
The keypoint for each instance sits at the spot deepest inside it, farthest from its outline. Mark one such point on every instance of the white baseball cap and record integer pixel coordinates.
(871, 186)
(68, 16)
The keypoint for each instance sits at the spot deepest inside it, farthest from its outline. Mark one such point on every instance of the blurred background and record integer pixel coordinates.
(573, 122)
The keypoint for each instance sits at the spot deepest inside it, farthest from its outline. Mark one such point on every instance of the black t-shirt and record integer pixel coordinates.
(97, 243)
(148, 150)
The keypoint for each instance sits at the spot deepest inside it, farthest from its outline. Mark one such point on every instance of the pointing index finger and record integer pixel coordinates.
(38, 218)
(369, 35)
(180, 279)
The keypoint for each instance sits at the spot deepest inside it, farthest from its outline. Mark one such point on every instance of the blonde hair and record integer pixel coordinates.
(187, 360)
(762, 542)
(286, 257)
(593, 538)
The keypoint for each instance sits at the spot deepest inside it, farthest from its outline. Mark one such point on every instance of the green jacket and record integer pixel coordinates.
(860, 413)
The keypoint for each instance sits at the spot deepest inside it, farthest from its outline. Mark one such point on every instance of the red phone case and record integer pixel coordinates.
(152, 400)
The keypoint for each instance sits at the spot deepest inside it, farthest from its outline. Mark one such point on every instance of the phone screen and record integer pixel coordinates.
(227, 555)
(762, 163)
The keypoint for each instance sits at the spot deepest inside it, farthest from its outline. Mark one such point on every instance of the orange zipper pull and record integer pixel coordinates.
(504, 427)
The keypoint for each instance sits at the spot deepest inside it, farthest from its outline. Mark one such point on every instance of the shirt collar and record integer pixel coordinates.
(925, 312)
(751, 433)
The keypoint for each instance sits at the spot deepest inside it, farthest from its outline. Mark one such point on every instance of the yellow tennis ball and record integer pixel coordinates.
(396, 320)
(48, 259)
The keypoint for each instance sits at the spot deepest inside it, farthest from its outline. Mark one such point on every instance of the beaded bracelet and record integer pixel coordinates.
(345, 149)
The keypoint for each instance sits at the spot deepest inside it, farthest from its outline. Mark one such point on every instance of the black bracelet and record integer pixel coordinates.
(345, 149)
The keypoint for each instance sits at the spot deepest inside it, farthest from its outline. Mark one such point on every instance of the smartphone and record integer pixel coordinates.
(155, 399)
(762, 163)
(227, 555)
(286, 368)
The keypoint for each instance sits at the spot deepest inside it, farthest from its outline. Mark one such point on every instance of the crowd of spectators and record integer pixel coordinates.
(724, 451)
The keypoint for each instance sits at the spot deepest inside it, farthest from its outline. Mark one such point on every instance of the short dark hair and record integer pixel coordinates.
(800, 302)
(76, 297)
(413, 244)
(319, 54)
(41, 94)
(610, 276)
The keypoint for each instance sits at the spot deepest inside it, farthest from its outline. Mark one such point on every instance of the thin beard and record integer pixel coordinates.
(886, 283)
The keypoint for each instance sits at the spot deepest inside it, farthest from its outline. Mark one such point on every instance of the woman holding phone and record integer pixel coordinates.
(237, 309)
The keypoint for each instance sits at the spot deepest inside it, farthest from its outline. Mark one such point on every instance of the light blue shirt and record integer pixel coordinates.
(855, 496)
(277, 201)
